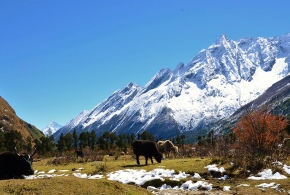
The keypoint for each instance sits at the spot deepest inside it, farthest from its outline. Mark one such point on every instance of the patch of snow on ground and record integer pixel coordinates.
(40, 176)
(188, 185)
(227, 188)
(85, 176)
(195, 186)
(286, 169)
(267, 174)
(139, 177)
(214, 168)
(196, 176)
(51, 171)
(223, 177)
(270, 185)
(243, 185)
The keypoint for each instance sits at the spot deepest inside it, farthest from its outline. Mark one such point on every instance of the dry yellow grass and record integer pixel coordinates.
(74, 185)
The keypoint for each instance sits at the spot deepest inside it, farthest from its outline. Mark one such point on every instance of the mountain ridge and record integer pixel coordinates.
(212, 86)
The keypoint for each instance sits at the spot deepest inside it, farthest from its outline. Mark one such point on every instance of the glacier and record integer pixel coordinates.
(211, 86)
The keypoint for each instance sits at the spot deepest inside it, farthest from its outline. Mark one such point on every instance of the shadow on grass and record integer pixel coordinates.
(135, 165)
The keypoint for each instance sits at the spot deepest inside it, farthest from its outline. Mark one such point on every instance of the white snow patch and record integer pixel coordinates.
(196, 176)
(215, 168)
(227, 188)
(267, 174)
(286, 169)
(270, 185)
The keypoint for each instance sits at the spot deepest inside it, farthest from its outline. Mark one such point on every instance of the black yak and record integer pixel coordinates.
(28, 157)
(146, 148)
(14, 166)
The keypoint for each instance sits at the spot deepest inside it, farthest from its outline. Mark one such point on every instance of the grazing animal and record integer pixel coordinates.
(14, 166)
(165, 147)
(146, 148)
(28, 157)
(79, 153)
(175, 150)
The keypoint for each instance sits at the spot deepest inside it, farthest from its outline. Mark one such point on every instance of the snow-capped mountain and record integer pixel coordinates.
(51, 128)
(275, 99)
(213, 85)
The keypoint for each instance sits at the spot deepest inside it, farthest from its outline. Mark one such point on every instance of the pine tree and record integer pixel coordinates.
(75, 139)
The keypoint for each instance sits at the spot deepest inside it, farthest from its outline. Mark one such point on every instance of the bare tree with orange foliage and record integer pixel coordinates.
(258, 132)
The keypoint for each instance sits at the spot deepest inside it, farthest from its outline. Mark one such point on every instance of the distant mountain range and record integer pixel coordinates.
(211, 87)
(51, 128)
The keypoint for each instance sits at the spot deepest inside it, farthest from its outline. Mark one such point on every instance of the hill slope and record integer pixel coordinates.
(10, 121)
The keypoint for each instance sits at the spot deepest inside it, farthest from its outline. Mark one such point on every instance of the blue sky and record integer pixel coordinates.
(58, 58)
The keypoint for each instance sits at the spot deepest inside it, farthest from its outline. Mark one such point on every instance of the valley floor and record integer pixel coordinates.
(71, 184)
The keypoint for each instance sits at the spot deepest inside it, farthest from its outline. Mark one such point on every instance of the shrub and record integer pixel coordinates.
(258, 134)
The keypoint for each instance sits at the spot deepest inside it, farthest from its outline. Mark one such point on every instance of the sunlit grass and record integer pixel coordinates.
(73, 185)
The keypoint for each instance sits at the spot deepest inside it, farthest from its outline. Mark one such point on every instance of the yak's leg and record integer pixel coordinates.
(137, 158)
(146, 160)
(151, 159)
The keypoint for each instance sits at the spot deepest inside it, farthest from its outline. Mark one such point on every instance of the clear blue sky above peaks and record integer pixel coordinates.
(58, 58)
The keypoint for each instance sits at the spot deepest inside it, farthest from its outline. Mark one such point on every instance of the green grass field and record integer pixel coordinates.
(73, 185)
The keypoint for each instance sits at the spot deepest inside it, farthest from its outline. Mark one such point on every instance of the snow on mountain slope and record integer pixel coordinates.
(51, 128)
(213, 85)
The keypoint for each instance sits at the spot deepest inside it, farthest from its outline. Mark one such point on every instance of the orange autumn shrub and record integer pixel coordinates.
(258, 132)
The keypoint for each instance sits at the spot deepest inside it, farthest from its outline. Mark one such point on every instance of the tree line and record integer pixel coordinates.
(67, 142)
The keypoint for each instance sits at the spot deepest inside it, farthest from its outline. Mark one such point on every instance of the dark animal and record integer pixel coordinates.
(79, 153)
(146, 148)
(14, 166)
(28, 157)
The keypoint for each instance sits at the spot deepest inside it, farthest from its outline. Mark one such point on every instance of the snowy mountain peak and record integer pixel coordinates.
(179, 66)
(214, 84)
(51, 128)
(222, 40)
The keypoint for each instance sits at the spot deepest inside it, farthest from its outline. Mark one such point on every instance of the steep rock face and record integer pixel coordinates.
(212, 86)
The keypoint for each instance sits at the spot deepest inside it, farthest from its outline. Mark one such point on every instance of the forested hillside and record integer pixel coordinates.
(13, 126)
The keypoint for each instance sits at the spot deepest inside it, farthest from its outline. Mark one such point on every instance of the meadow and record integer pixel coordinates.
(74, 185)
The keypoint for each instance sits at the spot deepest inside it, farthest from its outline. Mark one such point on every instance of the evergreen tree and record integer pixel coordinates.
(147, 136)
(132, 138)
(2, 141)
(68, 139)
(13, 139)
(84, 139)
(75, 139)
(93, 138)
(61, 143)
(29, 144)
(101, 142)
